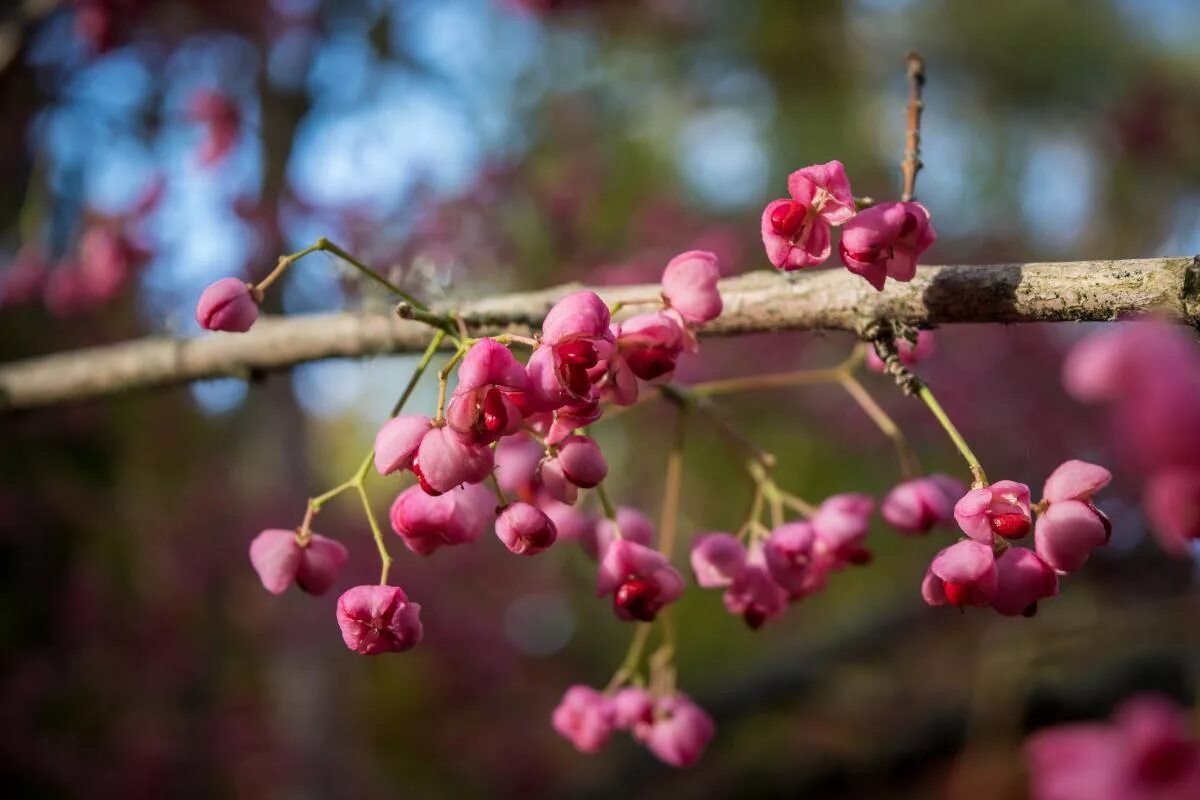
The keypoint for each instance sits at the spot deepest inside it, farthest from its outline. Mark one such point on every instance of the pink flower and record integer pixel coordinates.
(632, 706)
(227, 305)
(378, 619)
(1071, 526)
(963, 574)
(577, 463)
(575, 338)
(1172, 502)
(1002, 508)
(916, 506)
(841, 524)
(754, 595)
(640, 580)
(885, 241)
(910, 354)
(650, 345)
(281, 560)
(689, 285)
(790, 556)
(491, 384)
(584, 717)
(525, 530)
(717, 559)
(680, 732)
(426, 522)
(1021, 580)
(1147, 752)
(397, 442)
(795, 232)
(635, 527)
(447, 458)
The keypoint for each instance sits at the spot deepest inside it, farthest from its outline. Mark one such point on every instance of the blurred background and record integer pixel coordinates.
(477, 146)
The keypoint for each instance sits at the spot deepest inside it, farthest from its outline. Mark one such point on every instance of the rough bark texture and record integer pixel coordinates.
(754, 303)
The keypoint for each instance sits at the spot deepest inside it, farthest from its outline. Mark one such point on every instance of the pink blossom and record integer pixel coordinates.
(916, 506)
(795, 231)
(680, 732)
(885, 241)
(791, 557)
(1172, 502)
(841, 524)
(754, 595)
(632, 706)
(963, 574)
(525, 529)
(584, 717)
(577, 463)
(447, 458)
(910, 354)
(426, 522)
(717, 559)
(379, 619)
(1147, 752)
(280, 560)
(640, 580)
(635, 527)
(227, 305)
(689, 285)
(1001, 508)
(575, 338)
(1022, 578)
(491, 384)
(397, 442)
(650, 344)
(1071, 526)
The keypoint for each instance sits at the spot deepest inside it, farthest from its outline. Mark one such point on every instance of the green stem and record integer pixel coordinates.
(284, 263)
(632, 657)
(377, 533)
(330, 247)
(669, 522)
(973, 464)
(610, 511)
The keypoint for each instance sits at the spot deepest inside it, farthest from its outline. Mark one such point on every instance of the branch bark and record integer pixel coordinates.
(757, 302)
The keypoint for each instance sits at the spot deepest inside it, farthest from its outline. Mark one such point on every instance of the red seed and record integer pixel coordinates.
(957, 594)
(1012, 525)
(495, 416)
(429, 490)
(787, 218)
(649, 363)
(638, 599)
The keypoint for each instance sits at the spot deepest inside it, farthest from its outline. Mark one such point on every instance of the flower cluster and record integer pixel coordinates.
(1148, 377)
(671, 726)
(880, 242)
(986, 569)
(1146, 752)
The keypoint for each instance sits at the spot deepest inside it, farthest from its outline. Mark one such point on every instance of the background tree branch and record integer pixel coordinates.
(757, 302)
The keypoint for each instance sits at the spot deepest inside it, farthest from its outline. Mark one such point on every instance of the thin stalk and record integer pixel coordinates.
(980, 477)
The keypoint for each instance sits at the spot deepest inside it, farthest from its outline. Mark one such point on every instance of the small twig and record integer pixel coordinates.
(911, 164)
(909, 467)
(669, 522)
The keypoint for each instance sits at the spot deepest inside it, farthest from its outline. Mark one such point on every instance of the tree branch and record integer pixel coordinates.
(756, 302)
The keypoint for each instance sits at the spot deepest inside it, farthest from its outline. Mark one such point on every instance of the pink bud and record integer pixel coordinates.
(690, 286)
(584, 717)
(1172, 502)
(790, 557)
(841, 524)
(227, 305)
(1068, 531)
(641, 580)
(632, 706)
(651, 344)
(447, 458)
(635, 527)
(1075, 480)
(581, 461)
(909, 354)
(555, 483)
(717, 559)
(280, 560)
(916, 506)
(525, 530)
(397, 442)
(320, 562)
(680, 732)
(484, 415)
(427, 522)
(885, 241)
(489, 363)
(1002, 508)
(1021, 580)
(378, 619)
(754, 595)
(963, 574)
